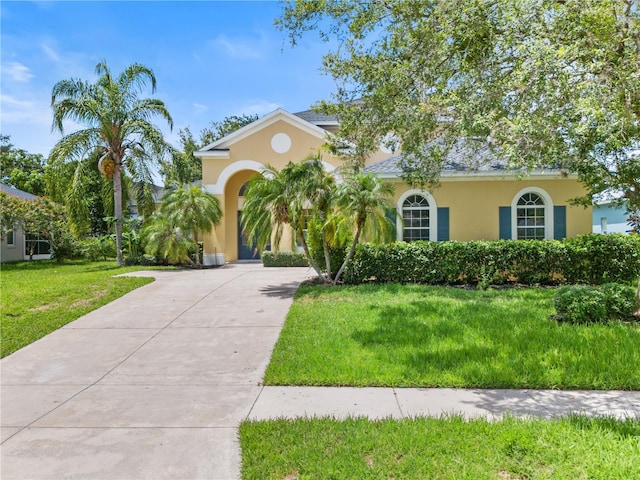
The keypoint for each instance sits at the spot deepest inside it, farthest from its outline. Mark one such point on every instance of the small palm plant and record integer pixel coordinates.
(362, 202)
(193, 210)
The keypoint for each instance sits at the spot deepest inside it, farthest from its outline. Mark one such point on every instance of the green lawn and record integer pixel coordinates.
(421, 336)
(448, 448)
(40, 296)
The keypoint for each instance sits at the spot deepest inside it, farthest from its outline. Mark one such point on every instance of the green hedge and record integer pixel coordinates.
(588, 259)
(284, 259)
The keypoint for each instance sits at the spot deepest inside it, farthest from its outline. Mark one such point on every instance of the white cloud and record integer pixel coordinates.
(50, 52)
(200, 107)
(240, 49)
(17, 72)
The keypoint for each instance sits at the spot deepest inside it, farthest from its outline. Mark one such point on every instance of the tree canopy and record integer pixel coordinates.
(543, 83)
(21, 169)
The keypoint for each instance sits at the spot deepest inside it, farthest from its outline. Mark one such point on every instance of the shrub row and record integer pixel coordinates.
(284, 259)
(595, 304)
(587, 259)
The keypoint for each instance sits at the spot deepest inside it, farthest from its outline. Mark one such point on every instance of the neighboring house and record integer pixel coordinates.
(609, 217)
(485, 203)
(16, 245)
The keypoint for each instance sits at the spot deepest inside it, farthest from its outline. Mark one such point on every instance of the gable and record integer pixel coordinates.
(276, 116)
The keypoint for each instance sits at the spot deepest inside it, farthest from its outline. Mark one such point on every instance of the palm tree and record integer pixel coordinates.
(193, 210)
(117, 123)
(362, 202)
(165, 240)
(276, 199)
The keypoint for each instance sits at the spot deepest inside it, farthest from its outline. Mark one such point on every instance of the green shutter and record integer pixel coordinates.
(443, 224)
(505, 223)
(559, 222)
(392, 215)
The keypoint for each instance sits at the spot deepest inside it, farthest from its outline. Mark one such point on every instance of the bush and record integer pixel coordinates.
(595, 304)
(284, 259)
(147, 260)
(588, 259)
(597, 259)
(337, 254)
(132, 260)
(98, 248)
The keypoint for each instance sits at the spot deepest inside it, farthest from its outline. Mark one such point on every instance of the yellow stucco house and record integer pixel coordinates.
(487, 203)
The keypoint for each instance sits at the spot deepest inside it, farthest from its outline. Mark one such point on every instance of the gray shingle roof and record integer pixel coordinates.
(14, 192)
(460, 158)
(316, 118)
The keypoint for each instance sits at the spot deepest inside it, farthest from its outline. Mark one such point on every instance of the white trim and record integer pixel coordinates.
(222, 154)
(433, 214)
(548, 212)
(269, 119)
(229, 171)
(473, 176)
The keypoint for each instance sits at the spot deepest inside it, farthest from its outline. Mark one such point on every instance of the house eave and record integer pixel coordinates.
(489, 176)
(220, 154)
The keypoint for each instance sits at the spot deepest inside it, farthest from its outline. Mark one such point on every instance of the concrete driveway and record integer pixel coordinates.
(152, 385)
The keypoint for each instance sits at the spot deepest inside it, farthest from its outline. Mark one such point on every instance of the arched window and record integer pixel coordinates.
(532, 215)
(418, 212)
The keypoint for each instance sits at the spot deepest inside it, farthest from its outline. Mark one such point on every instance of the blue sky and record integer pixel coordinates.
(211, 59)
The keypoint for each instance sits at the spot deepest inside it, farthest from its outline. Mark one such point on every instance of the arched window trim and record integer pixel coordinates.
(433, 214)
(548, 211)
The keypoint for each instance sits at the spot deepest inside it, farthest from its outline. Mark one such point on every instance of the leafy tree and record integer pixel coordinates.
(541, 82)
(39, 217)
(117, 124)
(183, 167)
(21, 169)
(193, 210)
(217, 130)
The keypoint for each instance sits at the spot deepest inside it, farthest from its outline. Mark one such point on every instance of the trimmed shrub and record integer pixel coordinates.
(583, 304)
(588, 259)
(596, 259)
(621, 300)
(580, 304)
(148, 260)
(284, 259)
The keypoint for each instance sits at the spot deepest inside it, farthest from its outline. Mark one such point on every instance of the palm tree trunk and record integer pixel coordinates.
(349, 256)
(195, 242)
(117, 209)
(310, 259)
(327, 256)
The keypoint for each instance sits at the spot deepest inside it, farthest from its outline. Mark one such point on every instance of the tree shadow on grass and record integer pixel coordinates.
(448, 342)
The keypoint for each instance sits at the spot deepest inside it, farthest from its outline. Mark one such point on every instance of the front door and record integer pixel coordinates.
(245, 250)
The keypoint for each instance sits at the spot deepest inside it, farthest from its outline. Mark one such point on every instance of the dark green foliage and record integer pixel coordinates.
(98, 248)
(284, 259)
(595, 304)
(589, 259)
(581, 304)
(597, 259)
(336, 254)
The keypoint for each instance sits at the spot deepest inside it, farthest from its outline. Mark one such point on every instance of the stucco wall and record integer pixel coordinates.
(473, 204)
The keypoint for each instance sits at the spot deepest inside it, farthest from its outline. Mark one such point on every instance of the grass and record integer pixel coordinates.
(448, 448)
(421, 336)
(41, 296)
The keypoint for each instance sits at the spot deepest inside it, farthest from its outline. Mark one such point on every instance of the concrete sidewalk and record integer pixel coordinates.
(154, 384)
